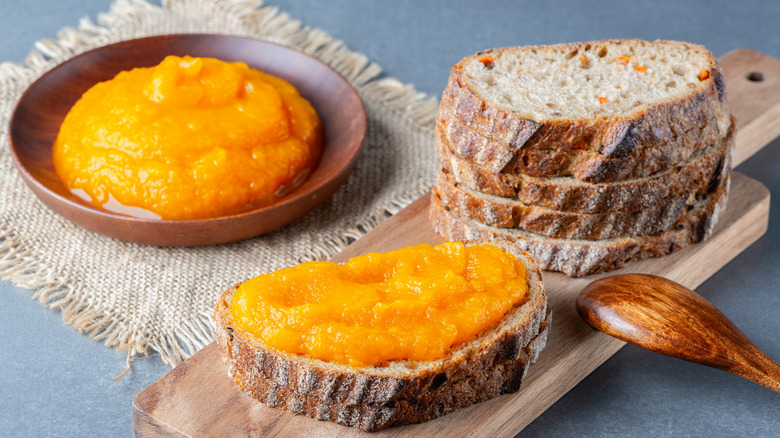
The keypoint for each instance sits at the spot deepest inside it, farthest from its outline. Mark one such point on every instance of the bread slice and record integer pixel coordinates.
(501, 212)
(397, 392)
(568, 194)
(600, 99)
(584, 165)
(576, 257)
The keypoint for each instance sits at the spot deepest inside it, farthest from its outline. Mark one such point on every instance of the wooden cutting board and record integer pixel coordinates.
(197, 398)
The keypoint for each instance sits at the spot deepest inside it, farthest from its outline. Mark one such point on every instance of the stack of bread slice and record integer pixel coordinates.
(585, 155)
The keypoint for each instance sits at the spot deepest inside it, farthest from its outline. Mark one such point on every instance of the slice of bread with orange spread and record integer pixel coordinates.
(383, 380)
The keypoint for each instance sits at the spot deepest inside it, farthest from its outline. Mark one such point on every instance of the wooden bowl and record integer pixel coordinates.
(39, 113)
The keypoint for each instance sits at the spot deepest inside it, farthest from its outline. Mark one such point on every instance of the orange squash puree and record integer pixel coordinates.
(414, 303)
(190, 138)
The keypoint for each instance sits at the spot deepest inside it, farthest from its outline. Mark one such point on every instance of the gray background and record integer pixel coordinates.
(55, 381)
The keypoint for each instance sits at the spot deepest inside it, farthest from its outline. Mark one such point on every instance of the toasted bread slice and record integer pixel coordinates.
(501, 212)
(568, 194)
(644, 104)
(397, 392)
(577, 257)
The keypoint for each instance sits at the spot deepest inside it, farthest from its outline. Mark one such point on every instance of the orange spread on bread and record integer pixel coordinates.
(190, 138)
(414, 303)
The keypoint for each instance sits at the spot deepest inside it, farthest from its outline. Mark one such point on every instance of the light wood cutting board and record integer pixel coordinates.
(198, 399)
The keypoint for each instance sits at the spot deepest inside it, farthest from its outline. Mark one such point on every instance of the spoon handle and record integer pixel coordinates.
(662, 316)
(762, 370)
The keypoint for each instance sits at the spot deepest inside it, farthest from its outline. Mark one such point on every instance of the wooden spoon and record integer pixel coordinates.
(668, 318)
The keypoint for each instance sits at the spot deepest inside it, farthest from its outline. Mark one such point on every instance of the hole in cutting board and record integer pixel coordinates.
(755, 76)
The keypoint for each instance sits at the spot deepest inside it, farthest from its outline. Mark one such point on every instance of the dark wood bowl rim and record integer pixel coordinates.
(306, 189)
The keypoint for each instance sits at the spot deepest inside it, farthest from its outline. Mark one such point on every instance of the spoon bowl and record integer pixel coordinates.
(666, 317)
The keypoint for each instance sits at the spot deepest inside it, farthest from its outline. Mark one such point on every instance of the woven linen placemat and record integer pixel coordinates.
(138, 298)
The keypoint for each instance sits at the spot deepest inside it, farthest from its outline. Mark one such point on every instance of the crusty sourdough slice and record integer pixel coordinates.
(397, 392)
(600, 98)
(706, 168)
(585, 165)
(576, 257)
(501, 212)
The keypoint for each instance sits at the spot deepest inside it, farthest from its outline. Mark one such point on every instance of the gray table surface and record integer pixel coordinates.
(57, 382)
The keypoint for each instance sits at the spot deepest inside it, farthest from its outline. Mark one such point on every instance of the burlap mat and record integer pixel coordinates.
(139, 298)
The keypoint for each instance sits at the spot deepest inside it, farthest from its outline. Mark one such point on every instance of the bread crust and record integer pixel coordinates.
(571, 195)
(500, 212)
(555, 157)
(578, 258)
(598, 149)
(398, 392)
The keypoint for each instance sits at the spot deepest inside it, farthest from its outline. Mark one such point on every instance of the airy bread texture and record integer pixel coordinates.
(396, 392)
(577, 257)
(567, 194)
(602, 111)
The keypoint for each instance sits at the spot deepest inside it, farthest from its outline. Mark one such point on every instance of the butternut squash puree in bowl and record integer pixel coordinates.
(236, 168)
(190, 138)
(414, 303)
